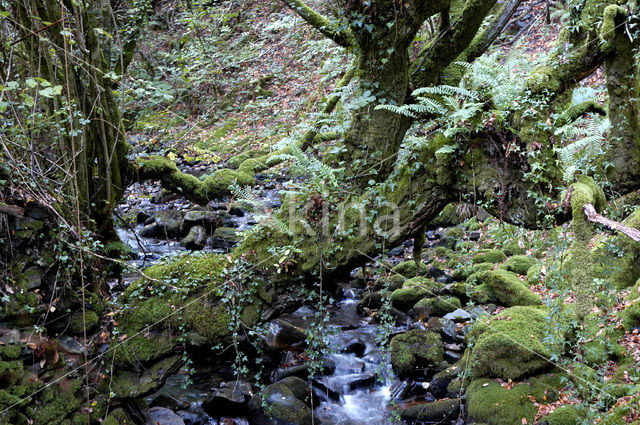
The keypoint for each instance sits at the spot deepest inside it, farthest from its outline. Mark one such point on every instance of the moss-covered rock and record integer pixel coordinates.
(178, 286)
(413, 290)
(415, 352)
(617, 258)
(127, 384)
(535, 274)
(490, 403)
(391, 283)
(408, 269)
(436, 306)
(519, 264)
(513, 248)
(563, 415)
(77, 323)
(505, 288)
(438, 411)
(510, 345)
(631, 314)
(286, 402)
(490, 256)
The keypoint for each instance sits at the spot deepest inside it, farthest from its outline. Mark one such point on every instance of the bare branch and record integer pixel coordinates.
(594, 217)
(343, 37)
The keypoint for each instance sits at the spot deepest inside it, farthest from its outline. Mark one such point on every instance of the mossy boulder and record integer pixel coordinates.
(622, 270)
(535, 274)
(77, 323)
(505, 288)
(414, 290)
(286, 402)
(408, 269)
(519, 264)
(448, 217)
(631, 314)
(513, 248)
(127, 384)
(490, 403)
(439, 411)
(436, 306)
(189, 285)
(391, 283)
(416, 352)
(490, 256)
(510, 345)
(563, 415)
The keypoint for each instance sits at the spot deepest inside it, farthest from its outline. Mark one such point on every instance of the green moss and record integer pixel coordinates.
(447, 217)
(563, 415)
(513, 248)
(201, 318)
(534, 274)
(631, 314)
(505, 288)
(490, 256)
(76, 323)
(56, 404)
(617, 259)
(415, 351)
(10, 352)
(393, 282)
(454, 233)
(413, 290)
(519, 264)
(510, 344)
(439, 306)
(118, 417)
(489, 402)
(408, 269)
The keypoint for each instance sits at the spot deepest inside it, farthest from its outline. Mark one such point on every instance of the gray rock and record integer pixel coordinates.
(164, 416)
(302, 371)
(196, 239)
(150, 231)
(225, 237)
(230, 399)
(458, 315)
(69, 345)
(170, 222)
(209, 220)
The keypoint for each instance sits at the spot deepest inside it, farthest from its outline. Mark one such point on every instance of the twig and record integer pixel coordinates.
(594, 217)
(37, 31)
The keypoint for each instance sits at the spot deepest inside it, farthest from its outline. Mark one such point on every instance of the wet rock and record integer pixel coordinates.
(209, 220)
(230, 399)
(371, 301)
(238, 212)
(459, 315)
(324, 392)
(475, 235)
(129, 384)
(69, 345)
(399, 250)
(196, 239)
(164, 416)
(286, 402)
(435, 306)
(356, 347)
(451, 356)
(150, 231)
(30, 278)
(225, 238)
(191, 418)
(169, 401)
(434, 272)
(170, 223)
(415, 352)
(9, 336)
(35, 212)
(286, 335)
(142, 216)
(363, 381)
(302, 371)
(438, 411)
(450, 331)
(442, 379)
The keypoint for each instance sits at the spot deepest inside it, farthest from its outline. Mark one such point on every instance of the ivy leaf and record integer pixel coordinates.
(50, 92)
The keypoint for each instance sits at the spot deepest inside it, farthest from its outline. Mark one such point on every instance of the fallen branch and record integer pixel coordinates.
(594, 217)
